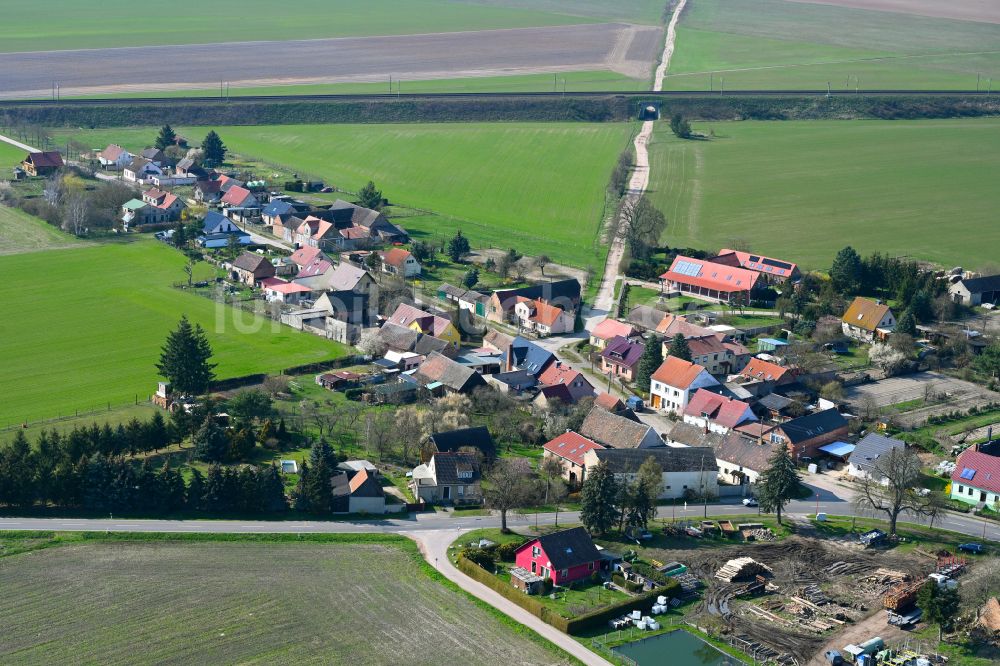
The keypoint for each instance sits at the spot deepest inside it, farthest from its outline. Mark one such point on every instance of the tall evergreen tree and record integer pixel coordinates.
(210, 441)
(778, 484)
(907, 323)
(157, 432)
(184, 359)
(147, 491)
(652, 357)
(458, 247)
(679, 348)
(318, 490)
(215, 498)
(195, 493)
(600, 491)
(213, 150)
(172, 488)
(16, 482)
(846, 272)
(272, 490)
(179, 239)
(300, 498)
(166, 138)
(321, 451)
(939, 604)
(369, 197)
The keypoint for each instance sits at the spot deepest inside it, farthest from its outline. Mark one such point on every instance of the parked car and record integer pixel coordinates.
(974, 548)
(749, 501)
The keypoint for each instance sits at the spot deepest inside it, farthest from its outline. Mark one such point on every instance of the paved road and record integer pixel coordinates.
(624, 48)
(829, 502)
(18, 144)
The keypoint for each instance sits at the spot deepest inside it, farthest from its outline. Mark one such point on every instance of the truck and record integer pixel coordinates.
(904, 620)
(862, 654)
(902, 597)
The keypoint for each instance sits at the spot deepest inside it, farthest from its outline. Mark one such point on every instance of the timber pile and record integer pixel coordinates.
(845, 568)
(889, 575)
(742, 568)
(902, 596)
(816, 595)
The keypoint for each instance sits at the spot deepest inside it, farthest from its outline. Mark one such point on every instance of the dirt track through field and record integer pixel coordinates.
(604, 301)
(984, 11)
(622, 48)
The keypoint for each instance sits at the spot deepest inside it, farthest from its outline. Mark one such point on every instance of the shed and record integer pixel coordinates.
(838, 449)
(770, 344)
(525, 581)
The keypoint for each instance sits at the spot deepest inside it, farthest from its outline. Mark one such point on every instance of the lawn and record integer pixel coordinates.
(538, 187)
(773, 44)
(803, 190)
(70, 24)
(107, 310)
(561, 82)
(152, 599)
(20, 232)
(9, 157)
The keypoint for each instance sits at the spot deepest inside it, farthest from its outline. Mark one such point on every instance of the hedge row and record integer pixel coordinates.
(570, 626)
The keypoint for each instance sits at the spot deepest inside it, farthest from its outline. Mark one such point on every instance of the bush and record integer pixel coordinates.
(354, 393)
(507, 551)
(547, 585)
(595, 578)
(484, 557)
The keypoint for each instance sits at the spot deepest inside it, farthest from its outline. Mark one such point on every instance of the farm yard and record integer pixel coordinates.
(538, 187)
(775, 44)
(115, 307)
(806, 189)
(299, 601)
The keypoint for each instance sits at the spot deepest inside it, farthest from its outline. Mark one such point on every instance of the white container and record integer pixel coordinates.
(636, 615)
(653, 626)
(662, 600)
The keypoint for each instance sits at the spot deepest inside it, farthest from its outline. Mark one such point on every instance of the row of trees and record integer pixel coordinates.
(72, 202)
(114, 483)
(607, 502)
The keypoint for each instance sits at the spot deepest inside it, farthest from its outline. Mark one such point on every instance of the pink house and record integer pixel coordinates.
(563, 556)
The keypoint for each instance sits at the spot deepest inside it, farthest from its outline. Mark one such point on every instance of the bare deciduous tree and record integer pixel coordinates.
(508, 487)
(75, 215)
(371, 344)
(889, 488)
(378, 432)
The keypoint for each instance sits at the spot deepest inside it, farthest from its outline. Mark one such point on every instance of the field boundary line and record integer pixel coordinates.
(18, 144)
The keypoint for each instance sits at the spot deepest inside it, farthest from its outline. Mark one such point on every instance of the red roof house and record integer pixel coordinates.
(772, 270)
(977, 476)
(709, 281)
(610, 328)
(765, 371)
(569, 448)
(717, 413)
(563, 556)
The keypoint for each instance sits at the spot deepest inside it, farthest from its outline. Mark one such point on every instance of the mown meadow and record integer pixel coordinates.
(774, 44)
(804, 189)
(84, 328)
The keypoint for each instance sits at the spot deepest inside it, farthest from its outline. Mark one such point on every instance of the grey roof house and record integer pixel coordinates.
(618, 432)
(873, 446)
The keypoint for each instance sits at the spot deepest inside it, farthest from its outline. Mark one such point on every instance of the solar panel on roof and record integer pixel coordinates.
(688, 268)
(754, 258)
(967, 474)
(777, 264)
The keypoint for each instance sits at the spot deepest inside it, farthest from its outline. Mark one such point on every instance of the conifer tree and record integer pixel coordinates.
(184, 359)
(652, 357)
(213, 150)
(778, 484)
(598, 500)
(166, 138)
(679, 348)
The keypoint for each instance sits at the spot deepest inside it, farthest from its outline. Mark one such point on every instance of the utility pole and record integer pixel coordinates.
(711, 81)
(390, 84)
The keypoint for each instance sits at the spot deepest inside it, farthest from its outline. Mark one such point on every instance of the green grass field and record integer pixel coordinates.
(20, 232)
(563, 81)
(754, 44)
(9, 156)
(249, 600)
(803, 190)
(70, 24)
(87, 325)
(538, 187)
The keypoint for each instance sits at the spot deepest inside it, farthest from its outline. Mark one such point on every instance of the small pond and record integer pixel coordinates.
(676, 648)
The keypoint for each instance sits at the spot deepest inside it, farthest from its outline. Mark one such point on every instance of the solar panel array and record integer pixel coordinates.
(688, 268)
(967, 474)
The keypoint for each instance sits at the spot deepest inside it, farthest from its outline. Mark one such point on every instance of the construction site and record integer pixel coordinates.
(789, 601)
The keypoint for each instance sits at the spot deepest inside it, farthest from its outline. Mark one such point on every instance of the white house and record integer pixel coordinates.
(687, 471)
(867, 320)
(398, 261)
(114, 157)
(542, 318)
(140, 170)
(862, 461)
(277, 290)
(976, 478)
(675, 381)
